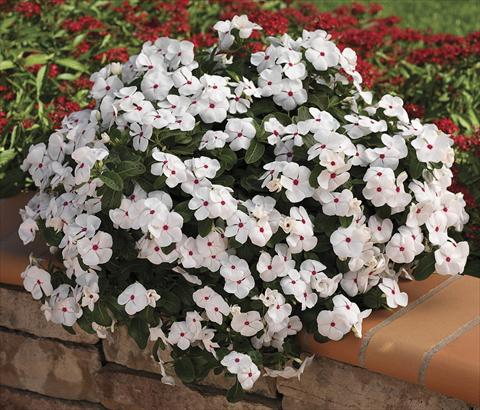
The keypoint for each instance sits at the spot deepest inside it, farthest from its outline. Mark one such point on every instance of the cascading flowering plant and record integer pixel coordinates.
(217, 204)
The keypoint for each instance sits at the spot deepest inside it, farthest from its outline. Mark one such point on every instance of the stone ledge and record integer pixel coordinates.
(121, 388)
(18, 311)
(123, 350)
(331, 385)
(14, 399)
(48, 367)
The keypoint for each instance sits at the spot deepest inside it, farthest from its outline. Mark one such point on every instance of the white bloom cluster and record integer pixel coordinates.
(146, 174)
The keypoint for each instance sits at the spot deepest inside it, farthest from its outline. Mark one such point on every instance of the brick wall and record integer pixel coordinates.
(44, 367)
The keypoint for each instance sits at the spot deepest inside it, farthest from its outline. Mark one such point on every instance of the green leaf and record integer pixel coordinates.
(6, 156)
(110, 199)
(183, 209)
(425, 267)
(313, 179)
(138, 330)
(254, 152)
(101, 315)
(130, 168)
(39, 79)
(415, 167)
(184, 369)
(227, 157)
(71, 63)
(69, 329)
(373, 299)
(205, 227)
(112, 180)
(34, 59)
(235, 393)
(6, 65)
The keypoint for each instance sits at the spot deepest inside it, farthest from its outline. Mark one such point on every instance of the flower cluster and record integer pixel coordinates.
(218, 203)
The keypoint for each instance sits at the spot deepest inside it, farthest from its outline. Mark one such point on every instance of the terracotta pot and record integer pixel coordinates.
(13, 254)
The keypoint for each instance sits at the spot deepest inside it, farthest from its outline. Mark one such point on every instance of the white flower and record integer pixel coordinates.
(381, 229)
(401, 248)
(180, 335)
(66, 311)
(432, 145)
(235, 361)
(156, 85)
(239, 225)
(141, 135)
(348, 242)
(248, 375)
(170, 166)
(244, 26)
(247, 324)
(322, 54)
(213, 139)
(291, 96)
(214, 305)
(295, 179)
(451, 257)
(240, 133)
(332, 324)
(97, 250)
(134, 298)
(37, 282)
(270, 81)
(393, 107)
(393, 294)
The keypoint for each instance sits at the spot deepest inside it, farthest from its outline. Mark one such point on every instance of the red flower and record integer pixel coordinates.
(28, 9)
(446, 125)
(415, 110)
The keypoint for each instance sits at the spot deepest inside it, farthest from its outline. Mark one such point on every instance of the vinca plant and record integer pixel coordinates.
(218, 202)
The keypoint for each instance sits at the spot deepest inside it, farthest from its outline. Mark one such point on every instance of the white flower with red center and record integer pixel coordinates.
(432, 145)
(301, 243)
(180, 53)
(165, 227)
(381, 229)
(399, 199)
(141, 135)
(194, 324)
(213, 139)
(159, 118)
(85, 158)
(451, 257)
(244, 26)
(237, 104)
(322, 54)
(437, 228)
(293, 67)
(214, 305)
(393, 107)
(240, 133)
(296, 132)
(238, 278)
(248, 375)
(322, 119)
(334, 203)
(27, 230)
(331, 180)
(380, 185)
(295, 180)
(292, 95)
(151, 250)
(134, 298)
(270, 267)
(170, 166)
(188, 253)
(105, 86)
(37, 282)
(278, 309)
(180, 335)
(238, 226)
(97, 250)
(270, 81)
(185, 82)
(390, 155)
(392, 293)
(66, 311)
(213, 248)
(264, 59)
(156, 85)
(349, 242)
(213, 111)
(401, 248)
(333, 324)
(248, 323)
(235, 361)
(293, 284)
